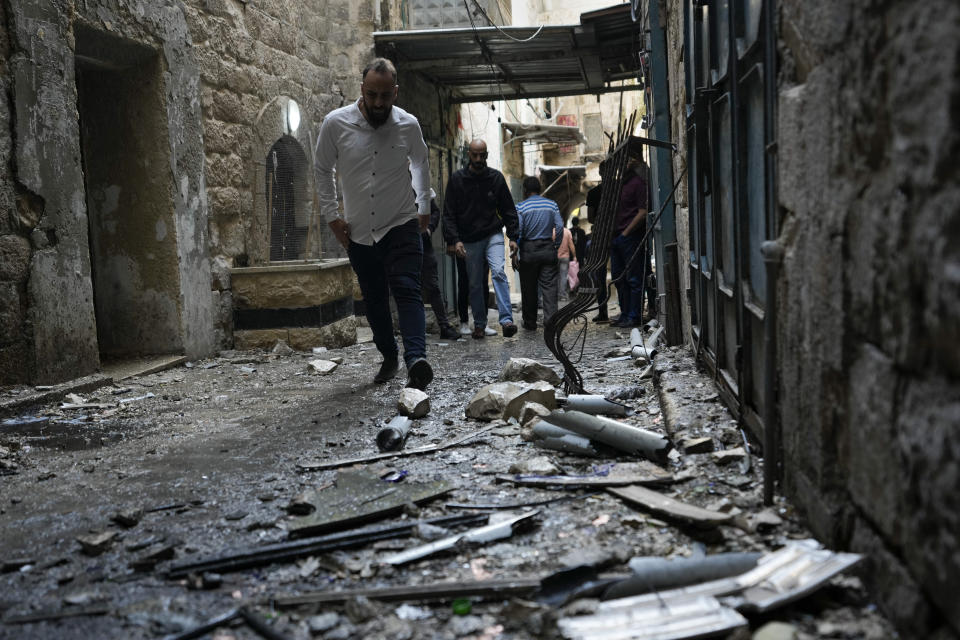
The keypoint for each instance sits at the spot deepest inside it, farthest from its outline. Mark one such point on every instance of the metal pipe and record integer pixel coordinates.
(392, 436)
(772, 252)
(619, 435)
(596, 404)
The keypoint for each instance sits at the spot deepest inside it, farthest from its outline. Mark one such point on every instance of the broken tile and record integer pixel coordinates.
(97, 543)
(322, 367)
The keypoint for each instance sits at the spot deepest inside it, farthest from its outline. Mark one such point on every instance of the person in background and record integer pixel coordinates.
(429, 277)
(476, 208)
(627, 257)
(565, 253)
(540, 228)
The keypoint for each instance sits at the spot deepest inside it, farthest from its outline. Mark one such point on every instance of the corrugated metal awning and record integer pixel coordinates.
(555, 133)
(490, 63)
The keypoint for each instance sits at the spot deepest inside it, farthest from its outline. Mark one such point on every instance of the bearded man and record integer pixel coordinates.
(378, 152)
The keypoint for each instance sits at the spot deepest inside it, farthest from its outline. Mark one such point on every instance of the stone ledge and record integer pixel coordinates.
(54, 393)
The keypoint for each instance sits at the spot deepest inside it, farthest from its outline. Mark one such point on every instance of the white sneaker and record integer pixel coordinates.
(487, 331)
(465, 329)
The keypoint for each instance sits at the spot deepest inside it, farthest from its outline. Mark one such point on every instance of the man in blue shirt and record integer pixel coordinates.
(541, 230)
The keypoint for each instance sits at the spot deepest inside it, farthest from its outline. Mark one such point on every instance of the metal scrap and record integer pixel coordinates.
(290, 551)
(488, 589)
(622, 436)
(493, 531)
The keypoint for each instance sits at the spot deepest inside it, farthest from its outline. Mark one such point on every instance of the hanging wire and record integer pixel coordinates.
(497, 27)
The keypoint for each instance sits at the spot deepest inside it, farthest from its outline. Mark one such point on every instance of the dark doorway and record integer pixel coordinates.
(128, 187)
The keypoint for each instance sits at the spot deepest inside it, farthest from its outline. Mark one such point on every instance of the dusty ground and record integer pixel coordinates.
(211, 451)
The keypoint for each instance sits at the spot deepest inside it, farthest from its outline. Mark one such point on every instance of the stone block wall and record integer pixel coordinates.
(870, 296)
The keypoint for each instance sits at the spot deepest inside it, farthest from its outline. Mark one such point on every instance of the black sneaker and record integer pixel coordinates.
(419, 374)
(600, 318)
(387, 371)
(509, 329)
(449, 333)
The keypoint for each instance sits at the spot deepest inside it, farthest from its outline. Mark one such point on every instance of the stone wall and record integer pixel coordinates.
(870, 316)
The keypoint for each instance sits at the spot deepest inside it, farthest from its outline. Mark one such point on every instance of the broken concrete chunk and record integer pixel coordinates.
(413, 403)
(538, 466)
(323, 622)
(528, 370)
(532, 411)
(506, 399)
(97, 543)
(696, 445)
(321, 366)
(729, 455)
(128, 517)
(281, 348)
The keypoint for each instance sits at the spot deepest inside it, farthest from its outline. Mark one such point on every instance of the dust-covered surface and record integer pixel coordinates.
(203, 459)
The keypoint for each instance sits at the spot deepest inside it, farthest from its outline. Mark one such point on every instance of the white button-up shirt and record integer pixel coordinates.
(380, 169)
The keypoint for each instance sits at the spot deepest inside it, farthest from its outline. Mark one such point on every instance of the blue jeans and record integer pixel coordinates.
(488, 251)
(630, 288)
(393, 265)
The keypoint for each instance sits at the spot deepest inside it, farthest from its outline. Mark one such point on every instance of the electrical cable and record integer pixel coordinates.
(497, 27)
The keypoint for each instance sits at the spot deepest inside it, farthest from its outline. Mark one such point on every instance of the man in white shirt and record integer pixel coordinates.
(378, 151)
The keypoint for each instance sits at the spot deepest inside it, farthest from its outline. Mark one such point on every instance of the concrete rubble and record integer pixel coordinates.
(231, 497)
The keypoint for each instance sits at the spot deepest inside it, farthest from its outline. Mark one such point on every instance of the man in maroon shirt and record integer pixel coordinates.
(627, 257)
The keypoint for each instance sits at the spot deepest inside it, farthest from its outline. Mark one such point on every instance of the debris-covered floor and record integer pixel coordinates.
(110, 497)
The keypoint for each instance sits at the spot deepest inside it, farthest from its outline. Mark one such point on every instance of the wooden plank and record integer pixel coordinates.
(662, 505)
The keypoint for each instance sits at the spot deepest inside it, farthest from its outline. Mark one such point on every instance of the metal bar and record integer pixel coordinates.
(772, 256)
(288, 551)
(543, 93)
(488, 589)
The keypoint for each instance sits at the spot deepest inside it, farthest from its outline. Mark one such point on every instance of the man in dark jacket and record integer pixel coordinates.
(477, 206)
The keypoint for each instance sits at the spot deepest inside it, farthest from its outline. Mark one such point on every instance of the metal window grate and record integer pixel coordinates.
(287, 197)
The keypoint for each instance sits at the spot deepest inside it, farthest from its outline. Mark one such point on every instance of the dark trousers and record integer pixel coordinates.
(393, 265)
(431, 283)
(538, 275)
(630, 288)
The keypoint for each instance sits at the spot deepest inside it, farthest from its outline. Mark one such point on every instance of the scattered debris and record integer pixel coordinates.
(281, 348)
(252, 620)
(442, 591)
(532, 411)
(665, 618)
(393, 435)
(595, 404)
(413, 403)
(660, 504)
(349, 462)
(97, 543)
(493, 531)
(322, 367)
(619, 435)
(538, 466)
(619, 475)
(696, 445)
(727, 456)
(527, 370)
(506, 399)
(359, 497)
(655, 573)
(296, 549)
(128, 517)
